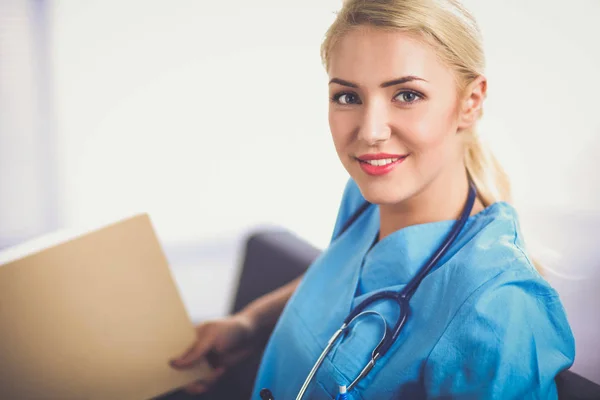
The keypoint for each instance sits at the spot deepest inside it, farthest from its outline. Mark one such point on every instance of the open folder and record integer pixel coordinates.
(94, 315)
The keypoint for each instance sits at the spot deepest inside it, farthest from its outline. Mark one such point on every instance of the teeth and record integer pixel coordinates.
(379, 163)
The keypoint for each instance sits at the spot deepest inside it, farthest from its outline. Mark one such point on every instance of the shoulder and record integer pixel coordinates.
(494, 269)
(492, 249)
(351, 201)
(509, 337)
(496, 264)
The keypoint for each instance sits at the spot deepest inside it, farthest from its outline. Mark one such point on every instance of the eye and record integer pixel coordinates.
(408, 97)
(345, 98)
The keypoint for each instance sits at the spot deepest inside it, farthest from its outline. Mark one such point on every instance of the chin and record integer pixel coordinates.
(382, 192)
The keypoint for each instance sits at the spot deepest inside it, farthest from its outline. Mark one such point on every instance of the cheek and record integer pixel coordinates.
(340, 125)
(429, 131)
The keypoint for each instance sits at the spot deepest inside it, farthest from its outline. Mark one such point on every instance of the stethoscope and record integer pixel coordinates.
(401, 298)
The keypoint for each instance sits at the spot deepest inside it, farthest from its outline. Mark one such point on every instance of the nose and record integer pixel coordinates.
(374, 125)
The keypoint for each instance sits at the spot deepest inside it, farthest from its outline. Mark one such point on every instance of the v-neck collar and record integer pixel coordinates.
(358, 241)
(390, 263)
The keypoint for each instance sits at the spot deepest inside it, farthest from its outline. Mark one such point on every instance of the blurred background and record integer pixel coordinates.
(212, 117)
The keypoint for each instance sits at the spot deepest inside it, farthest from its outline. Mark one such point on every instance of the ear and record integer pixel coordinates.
(472, 102)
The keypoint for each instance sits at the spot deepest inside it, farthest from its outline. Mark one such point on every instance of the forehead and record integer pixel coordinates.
(369, 56)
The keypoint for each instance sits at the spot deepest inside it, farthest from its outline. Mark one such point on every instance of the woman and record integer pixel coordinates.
(407, 89)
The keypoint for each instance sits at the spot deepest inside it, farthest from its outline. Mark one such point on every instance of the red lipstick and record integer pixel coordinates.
(380, 163)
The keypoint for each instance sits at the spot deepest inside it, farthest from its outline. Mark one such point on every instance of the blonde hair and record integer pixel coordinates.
(453, 32)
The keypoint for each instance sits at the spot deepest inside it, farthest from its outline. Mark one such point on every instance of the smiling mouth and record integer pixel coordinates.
(379, 164)
(382, 161)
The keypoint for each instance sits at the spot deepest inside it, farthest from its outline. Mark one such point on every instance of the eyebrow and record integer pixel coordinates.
(394, 82)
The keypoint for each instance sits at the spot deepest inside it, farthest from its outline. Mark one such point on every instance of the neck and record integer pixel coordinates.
(442, 199)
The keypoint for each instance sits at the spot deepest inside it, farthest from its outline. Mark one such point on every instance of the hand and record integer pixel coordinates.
(224, 343)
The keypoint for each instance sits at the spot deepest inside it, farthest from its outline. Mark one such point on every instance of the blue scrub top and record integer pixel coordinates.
(482, 325)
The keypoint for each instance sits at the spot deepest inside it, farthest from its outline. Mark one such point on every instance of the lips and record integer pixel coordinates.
(380, 156)
(381, 163)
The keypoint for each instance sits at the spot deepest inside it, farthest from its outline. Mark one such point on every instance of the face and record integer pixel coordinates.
(395, 114)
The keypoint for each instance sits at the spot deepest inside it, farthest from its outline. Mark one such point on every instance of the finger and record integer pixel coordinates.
(185, 354)
(194, 353)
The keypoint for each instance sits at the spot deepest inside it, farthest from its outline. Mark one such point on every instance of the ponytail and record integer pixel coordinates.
(486, 172)
(489, 177)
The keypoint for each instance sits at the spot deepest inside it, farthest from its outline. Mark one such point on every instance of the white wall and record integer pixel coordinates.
(209, 115)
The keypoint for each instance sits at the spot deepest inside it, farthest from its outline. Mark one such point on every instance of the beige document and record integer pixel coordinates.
(95, 316)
